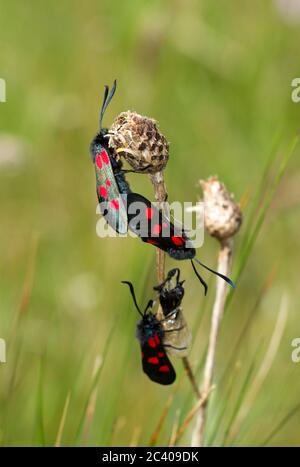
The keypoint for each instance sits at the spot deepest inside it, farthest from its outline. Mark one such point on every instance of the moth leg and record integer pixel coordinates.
(176, 329)
(171, 313)
(175, 348)
(126, 171)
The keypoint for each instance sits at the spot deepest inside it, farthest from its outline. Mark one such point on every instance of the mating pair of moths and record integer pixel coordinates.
(117, 203)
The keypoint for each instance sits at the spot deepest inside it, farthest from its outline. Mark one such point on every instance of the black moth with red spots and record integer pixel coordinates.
(110, 179)
(150, 333)
(153, 227)
(155, 361)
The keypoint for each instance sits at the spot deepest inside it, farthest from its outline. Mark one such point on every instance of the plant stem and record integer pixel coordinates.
(224, 265)
(191, 376)
(201, 401)
(161, 196)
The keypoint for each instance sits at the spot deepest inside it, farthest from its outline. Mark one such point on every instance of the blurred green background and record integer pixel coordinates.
(217, 76)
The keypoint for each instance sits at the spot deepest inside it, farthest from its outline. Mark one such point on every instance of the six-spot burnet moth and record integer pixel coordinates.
(170, 297)
(150, 333)
(110, 180)
(152, 226)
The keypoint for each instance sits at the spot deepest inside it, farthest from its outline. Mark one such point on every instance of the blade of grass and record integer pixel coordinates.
(281, 424)
(165, 412)
(261, 189)
(191, 415)
(22, 309)
(241, 396)
(214, 433)
(28, 280)
(118, 425)
(227, 373)
(166, 409)
(265, 287)
(226, 396)
(187, 402)
(135, 437)
(199, 368)
(188, 369)
(245, 253)
(202, 312)
(91, 404)
(172, 442)
(62, 421)
(95, 382)
(264, 367)
(40, 433)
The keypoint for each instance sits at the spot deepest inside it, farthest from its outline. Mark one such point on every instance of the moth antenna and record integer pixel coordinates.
(112, 92)
(200, 278)
(107, 100)
(106, 89)
(133, 296)
(225, 278)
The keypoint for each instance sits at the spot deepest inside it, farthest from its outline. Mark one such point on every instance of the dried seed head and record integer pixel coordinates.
(222, 215)
(139, 141)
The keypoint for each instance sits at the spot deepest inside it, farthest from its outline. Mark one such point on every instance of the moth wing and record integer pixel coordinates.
(111, 203)
(177, 335)
(156, 363)
(152, 226)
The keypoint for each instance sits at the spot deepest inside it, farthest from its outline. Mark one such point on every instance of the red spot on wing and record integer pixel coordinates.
(178, 241)
(161, 354)
(105, 157)
(114, 204)
(156, 229)
(108, 182)
(153, 360)
(157, 339)
(103, 191)
(151, 342)
(164, 369)
(152, 242)
(149, 213)
(98, 161)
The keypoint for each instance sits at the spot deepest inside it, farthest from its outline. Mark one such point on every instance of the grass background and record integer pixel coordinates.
(217, 76)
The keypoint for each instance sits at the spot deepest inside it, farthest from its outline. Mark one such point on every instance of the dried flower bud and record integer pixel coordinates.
(139, 141)
(222, 215)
